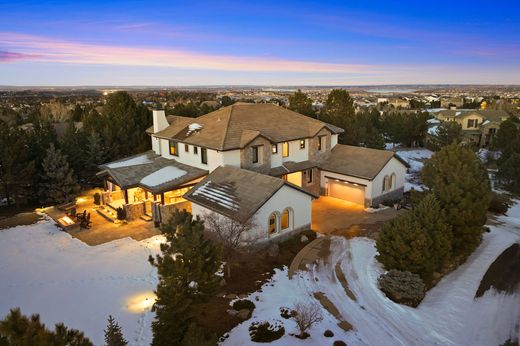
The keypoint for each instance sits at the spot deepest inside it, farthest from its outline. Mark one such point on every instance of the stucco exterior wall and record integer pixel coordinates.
(393, 166)
(325, 174)
(333, 140)
(295, 153)
(190, 158)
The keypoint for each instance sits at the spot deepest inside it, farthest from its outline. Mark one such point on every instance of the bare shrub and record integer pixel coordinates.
(306, 315)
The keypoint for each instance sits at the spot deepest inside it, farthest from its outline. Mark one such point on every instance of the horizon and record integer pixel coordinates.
(61, 44)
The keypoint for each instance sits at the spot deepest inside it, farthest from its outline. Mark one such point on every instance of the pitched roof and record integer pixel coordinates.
(489, 114)
(150, 171)
(358, 162)
(236, 193)
(234, 126)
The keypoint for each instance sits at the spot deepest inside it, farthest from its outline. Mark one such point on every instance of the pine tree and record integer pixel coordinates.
(447, 132)
(17, 329)
(58, 184)
(460, 183)
(301, 103)
(186, 268)
(405, 246)
(113, 334)
(196, 336)
(95, 153)
(432, 219)
(509, 172)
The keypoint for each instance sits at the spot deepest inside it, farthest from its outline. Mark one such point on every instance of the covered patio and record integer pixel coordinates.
(147, 186)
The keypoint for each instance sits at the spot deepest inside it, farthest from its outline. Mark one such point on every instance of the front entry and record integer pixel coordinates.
(148, 207)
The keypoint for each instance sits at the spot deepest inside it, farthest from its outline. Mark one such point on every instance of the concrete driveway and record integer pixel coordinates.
(335, 216)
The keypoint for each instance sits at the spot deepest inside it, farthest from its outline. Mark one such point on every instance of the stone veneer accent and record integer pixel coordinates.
(313, 144)
(167, 210)
(134, 210)
(389, 196)
(264, 153)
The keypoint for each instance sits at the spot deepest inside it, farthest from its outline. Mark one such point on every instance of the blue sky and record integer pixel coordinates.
(267, 42)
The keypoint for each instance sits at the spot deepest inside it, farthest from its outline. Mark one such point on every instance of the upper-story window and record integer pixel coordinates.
(472, 122)
(274, 148)
(285, 149)
(174, 148)
(186, 148)
(302, 143)
(321, 145)
(204, 156)
(195, 150)
(255, 154)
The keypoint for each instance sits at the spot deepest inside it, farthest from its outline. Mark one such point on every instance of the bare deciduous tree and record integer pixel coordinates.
(305, 315)
(232, 234)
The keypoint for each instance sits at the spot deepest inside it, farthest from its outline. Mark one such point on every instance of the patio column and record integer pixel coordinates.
(154, 197)
(125, 192)
(145, 194)
(105, 184)
(162, 198)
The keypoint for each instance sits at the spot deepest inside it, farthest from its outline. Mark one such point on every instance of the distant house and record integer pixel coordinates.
(247, 161)
(479, 126)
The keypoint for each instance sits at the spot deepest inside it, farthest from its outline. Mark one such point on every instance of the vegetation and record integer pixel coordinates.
(402, 287)
(301, 103)
(507, 140)
(460, 183)
(187, 268)
(243, 304)
(404, 127)
(18, 329)
(113, 334)
(265, 331)
(447, 132)
(306, 315)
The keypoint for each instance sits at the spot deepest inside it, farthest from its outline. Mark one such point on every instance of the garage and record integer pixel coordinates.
(346, 191)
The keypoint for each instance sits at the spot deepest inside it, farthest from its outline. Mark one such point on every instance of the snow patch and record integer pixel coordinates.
(162, 176)
(138, 160)
(218, 193)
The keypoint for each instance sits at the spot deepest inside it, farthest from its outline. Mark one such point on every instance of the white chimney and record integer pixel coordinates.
(159, 121)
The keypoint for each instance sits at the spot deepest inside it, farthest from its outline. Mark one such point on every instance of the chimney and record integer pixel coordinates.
(159, 120)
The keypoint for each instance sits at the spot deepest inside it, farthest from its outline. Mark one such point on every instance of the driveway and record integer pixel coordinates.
(335, 216)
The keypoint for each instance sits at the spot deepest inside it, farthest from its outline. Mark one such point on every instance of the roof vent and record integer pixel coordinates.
(194, 128)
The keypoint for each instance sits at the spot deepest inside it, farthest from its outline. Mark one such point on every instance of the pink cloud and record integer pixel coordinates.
(60, 51)
(12, 57)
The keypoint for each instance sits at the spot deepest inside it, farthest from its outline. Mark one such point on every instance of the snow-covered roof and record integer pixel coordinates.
(131, 161)
(163, 176)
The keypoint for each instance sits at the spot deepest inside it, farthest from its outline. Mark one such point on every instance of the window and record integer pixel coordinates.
(284, 222)
(285, 149)
(174, 148)
(302, 143)
(255, 154)
(472, 123)
(186, 148)
(309, 176)
(195, 150)
(388, 182)
(275, 148)
(204, 156)
(272, 223)
(320, 143)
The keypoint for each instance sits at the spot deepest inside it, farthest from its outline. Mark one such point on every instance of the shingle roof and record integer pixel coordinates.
(236, 193)
(130, 172)
(235, 126)
(359, 162)
(489, 114)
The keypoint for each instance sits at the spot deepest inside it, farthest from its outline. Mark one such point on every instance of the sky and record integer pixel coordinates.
(185, 43)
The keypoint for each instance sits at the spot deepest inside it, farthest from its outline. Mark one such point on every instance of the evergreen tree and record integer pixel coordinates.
(95, 153)
(72, 145)
(459, 181)
(113, 334)
(226, 101)
(17, 329)
(339, 111)
(301, 103)
(447, 132)
(509, 172)
(404, 245)
(506, 134)
(196, 336)
(186, 268)
(58, 184)
(432, 219)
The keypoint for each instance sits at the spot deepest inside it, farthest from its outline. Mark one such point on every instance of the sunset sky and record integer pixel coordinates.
(259, 42)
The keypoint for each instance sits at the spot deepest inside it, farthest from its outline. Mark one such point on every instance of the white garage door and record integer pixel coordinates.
(347, 192)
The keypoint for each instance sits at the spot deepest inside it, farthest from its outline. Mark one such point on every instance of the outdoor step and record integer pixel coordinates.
(146, 218)
(107, 215)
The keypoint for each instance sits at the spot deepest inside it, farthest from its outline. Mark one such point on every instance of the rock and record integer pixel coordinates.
(243, 314)
(339, 343)
(304, 239)
(232, 312)
(273, 250)
(231, 296)
(328, 333)
(242, 296)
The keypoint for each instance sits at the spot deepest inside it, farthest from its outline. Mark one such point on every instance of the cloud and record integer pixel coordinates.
(59, 51)
(12, 57)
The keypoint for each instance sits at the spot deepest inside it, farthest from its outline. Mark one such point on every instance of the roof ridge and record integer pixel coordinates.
(227, 127)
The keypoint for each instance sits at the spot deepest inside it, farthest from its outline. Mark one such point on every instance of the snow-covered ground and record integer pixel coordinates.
(415, 158)
(449, 314)
(44, 270)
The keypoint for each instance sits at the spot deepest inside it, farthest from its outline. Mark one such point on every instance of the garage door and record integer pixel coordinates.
(346, 191)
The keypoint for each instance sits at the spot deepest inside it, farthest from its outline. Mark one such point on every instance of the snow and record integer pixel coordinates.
(414, 158)
(433, 121)
(162, 176)
(485, 154)
(218, 193)
(193, 128)
(432, 130)
(46, 271)
(134, 161)
(449, 314)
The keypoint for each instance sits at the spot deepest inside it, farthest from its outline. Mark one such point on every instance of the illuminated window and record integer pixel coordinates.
(320, 143)
(204, 156)
(275, 148)
(285, 149)
(284, 223)
(302, 143)
(174, 148)
(272, 223)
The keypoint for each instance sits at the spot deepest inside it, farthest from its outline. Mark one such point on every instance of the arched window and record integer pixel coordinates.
(273, 222)
(285, 221)
(392, 177)
(385, 182)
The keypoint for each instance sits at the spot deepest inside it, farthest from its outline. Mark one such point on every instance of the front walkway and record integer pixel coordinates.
(338, 217)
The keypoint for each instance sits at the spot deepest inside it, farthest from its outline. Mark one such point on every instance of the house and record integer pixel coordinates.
(478, 126)
(248, 161)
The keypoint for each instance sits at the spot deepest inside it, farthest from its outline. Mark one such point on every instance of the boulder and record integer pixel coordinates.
(232, 312)
(244, 314)
(231, 296)
(304, 238)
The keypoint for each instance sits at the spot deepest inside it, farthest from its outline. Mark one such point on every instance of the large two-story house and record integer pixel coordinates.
(246, 161)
